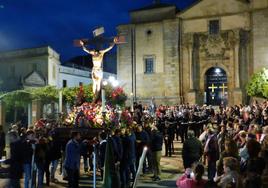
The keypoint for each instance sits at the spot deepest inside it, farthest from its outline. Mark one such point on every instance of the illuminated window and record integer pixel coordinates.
(214, 27)
(149, 65)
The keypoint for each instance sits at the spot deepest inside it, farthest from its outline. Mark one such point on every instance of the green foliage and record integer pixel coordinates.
(258, 85)
(70, 93)
(17, 99)
(46, 94)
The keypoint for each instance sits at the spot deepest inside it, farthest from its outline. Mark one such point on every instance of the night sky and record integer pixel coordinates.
(34, 23)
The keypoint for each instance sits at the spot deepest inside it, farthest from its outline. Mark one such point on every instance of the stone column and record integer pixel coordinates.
(236, 63)
(36, 110)
(188, 45)
(237, 92)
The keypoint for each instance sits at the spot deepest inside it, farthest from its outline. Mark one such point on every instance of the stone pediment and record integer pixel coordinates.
(208, 8)
(34, 79)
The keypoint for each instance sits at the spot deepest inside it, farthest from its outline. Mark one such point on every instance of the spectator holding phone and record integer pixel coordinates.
(192, 179)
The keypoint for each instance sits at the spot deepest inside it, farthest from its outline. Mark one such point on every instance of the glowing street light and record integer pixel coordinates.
(111, 79)
(217, 70)
(115, 83)
(105, 83)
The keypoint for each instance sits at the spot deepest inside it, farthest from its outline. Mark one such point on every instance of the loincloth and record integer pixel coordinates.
(97, 73)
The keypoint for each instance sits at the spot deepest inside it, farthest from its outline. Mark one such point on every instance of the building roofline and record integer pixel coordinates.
(154, 6)
(34, 51)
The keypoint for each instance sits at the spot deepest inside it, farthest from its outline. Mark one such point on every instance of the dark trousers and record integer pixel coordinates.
(73, 177)
(124, 174)
(132, 169)
(168, 146)
(47, 172)
(211, 169)
(14, 183)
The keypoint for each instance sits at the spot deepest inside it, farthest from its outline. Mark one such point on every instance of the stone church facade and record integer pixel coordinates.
(203, 54)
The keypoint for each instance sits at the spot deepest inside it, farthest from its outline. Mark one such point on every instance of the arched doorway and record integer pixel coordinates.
(216, 90)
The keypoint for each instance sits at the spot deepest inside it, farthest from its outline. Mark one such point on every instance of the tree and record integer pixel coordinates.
(70, 94)
(15, 102)
(46, 94)
(258, 85)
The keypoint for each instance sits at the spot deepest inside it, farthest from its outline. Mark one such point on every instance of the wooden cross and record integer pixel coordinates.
(98, 40)
(212, 87)
(223, 87)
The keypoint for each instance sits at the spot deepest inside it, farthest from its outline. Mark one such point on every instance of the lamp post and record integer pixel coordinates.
(103, 100)
(131, 101)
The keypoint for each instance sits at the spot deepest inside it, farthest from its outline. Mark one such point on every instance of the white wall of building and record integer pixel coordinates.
(74, 76)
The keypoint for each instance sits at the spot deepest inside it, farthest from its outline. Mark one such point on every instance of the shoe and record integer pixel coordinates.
(156, 179)
(54, 180)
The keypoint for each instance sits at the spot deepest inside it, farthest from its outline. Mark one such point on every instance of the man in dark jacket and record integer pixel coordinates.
(72, 160)
(15, 162)
(169, 137)
(28, 145)
(102, 151)
(156, 147)
(54, 153)
(192, 150)
(142, 139)
(85, 153)
(132, 152)
(211, 151)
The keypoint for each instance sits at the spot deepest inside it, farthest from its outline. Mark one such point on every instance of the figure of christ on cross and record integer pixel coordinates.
(97, 72)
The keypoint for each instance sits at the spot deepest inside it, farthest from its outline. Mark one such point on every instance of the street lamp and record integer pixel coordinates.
(217, 71)
(132, 100)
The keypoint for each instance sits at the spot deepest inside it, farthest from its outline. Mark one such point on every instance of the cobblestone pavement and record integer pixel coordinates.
(171, 168)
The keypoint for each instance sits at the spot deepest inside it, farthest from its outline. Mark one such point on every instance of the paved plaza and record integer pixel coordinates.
(171, 168)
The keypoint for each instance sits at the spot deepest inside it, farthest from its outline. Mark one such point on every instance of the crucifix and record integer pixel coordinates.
(223, 87)
(212, 87)
(97, 52)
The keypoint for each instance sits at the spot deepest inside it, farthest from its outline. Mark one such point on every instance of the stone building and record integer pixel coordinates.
(37, 67)
(203, 54)
(33, 67)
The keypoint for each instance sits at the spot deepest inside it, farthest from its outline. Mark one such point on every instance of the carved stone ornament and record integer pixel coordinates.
(215, 46)
(187, 40)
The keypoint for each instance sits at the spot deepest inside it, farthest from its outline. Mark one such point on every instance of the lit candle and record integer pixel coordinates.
(140, 165)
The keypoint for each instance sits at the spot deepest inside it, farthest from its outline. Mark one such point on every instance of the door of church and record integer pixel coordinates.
(216, 87)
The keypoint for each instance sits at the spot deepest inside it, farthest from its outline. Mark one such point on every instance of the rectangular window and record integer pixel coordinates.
(149, 65)
(64, 83)
(214, 27)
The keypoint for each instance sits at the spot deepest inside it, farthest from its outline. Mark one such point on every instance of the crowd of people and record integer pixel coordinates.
(232, 142)
(233, 146)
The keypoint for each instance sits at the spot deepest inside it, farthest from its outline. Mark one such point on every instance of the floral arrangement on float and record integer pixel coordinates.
(92, 115)
(126, 119)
